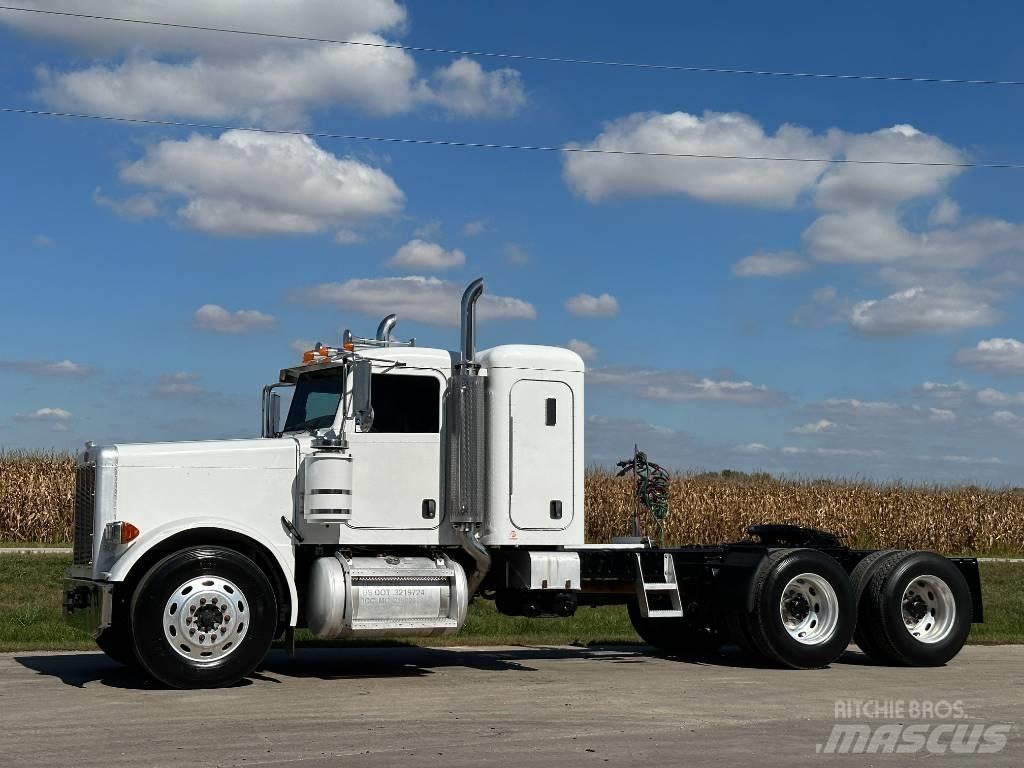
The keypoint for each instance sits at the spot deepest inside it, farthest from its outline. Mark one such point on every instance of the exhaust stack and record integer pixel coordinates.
(387, 325)
(469, 299)
(465, 492)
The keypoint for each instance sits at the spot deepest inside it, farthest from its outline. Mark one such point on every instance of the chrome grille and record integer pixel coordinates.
(85, 512)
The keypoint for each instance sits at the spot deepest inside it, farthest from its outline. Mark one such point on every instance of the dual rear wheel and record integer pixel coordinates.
(910, 608)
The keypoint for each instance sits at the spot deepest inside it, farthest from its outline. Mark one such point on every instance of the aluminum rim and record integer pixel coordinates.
(206, 618)
(809, 609)
(929, 609)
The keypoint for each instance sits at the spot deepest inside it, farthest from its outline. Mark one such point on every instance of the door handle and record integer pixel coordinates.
(429, 509)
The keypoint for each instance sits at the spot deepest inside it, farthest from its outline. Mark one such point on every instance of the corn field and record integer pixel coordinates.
(36, 492)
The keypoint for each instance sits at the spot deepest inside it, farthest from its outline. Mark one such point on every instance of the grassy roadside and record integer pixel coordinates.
(30, 595)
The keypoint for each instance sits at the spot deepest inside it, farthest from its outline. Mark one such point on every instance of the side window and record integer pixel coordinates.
(405, 403)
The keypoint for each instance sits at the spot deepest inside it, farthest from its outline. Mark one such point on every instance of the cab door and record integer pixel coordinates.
(541, 455)
(396, 472)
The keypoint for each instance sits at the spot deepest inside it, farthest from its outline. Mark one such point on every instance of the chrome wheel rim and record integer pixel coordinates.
(809, 609)
(929, 609)
(206, 618)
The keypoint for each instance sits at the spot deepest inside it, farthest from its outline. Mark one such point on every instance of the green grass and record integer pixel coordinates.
(6, 544)
(30, 595)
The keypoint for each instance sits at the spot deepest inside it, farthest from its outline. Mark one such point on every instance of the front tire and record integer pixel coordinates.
(203, 617)
(116, 642)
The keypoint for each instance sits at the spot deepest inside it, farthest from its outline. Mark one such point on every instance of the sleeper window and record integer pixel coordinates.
(405, 403)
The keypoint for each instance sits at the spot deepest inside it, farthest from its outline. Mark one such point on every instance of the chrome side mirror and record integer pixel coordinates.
(362, 400)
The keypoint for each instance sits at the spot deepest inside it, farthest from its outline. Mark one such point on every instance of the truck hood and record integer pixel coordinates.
(279, 453)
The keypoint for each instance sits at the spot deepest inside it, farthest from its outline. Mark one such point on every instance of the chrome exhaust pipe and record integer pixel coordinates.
(469, 538)
(469, 299)
(387, 325)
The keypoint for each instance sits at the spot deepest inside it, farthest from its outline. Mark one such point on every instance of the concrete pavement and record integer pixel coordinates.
(492, 706)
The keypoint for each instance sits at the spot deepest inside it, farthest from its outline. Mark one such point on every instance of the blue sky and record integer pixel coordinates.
(799, 319)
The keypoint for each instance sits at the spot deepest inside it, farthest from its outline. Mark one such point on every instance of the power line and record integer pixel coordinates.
(486, 145)
(523, 56)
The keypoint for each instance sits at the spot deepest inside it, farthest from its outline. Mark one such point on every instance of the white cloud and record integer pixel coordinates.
(419, 254)
(206, 76)
(941, 414)
(1002, 356)
(586, 305)
(61, 368)
(583, 349)
(465, 89)
(43, 241)
(682, 387)
(597, 177)
(346, 236)
(474, 228)
(213, 317)
(850, 185)
(945, 212)
(320, 18)
(971, 460)
(57, 418)
(858, 407)
(245, 183)
(790, 450)
(751, 448)
(769, 264)
(425, 299)
(994, 397)
(869, 235)
(849, 452)
(825, 306)
(180, 384)
(134, 207)
(301, 345)
(428, 230)
(813, 428)
(514, 253)
(1006, 419)
(921, 309)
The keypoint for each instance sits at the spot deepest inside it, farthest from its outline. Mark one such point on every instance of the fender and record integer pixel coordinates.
(282, 553)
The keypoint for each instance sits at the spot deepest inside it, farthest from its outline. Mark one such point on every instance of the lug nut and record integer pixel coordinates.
(191, 609)
(227, 617)
(202, 601)
(192, 631)
(188, 619)
(201, 638)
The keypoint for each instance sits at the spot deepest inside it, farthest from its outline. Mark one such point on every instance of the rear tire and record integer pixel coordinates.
(804, 612)
(675, 636)
(917, 610)
(860, 578)
(203, 617)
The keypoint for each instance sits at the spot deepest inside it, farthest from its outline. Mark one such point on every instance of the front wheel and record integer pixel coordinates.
(203, 617)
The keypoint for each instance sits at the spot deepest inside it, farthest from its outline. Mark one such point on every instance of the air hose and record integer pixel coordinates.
(650, 491)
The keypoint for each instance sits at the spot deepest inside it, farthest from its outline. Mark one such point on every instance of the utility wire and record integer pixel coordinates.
(487, 145)
(522, 56)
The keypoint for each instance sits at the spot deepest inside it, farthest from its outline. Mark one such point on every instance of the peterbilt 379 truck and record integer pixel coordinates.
(403, 483)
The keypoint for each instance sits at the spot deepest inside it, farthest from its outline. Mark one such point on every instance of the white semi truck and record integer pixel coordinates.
(405, 481)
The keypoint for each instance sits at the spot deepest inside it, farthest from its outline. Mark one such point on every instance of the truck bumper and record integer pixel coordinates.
(88, 605)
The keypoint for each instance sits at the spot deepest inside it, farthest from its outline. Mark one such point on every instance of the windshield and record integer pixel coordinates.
(315, 401)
